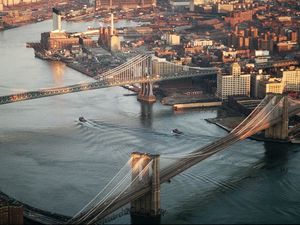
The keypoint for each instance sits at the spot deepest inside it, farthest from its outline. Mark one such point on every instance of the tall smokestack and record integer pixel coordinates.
(111, 24)
(56, 14)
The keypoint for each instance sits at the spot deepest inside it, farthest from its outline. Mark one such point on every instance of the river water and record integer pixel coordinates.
(50, 160)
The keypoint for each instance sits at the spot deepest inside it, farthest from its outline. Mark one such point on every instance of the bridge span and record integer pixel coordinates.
(268, 113)
(143, 69)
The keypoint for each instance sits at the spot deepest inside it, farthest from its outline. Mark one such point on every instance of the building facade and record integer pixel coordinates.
(62, 40)
(173, 39)
(235, 83)
(289, 82)
(11, 215)
(258, 85)
(201, 42)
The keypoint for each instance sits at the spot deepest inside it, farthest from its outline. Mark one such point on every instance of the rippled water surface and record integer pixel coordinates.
(50, 160)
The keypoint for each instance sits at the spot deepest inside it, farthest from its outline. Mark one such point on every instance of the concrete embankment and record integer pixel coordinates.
(196, 105)
(80, 68)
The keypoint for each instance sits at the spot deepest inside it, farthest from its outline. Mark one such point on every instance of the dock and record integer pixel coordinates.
(196, 105)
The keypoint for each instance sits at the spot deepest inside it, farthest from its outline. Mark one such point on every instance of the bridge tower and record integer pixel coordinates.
(146, 92)
(280, 130)
(147, 205)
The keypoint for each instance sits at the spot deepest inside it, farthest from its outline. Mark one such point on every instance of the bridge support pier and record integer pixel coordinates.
(148, 205)
(146, 93)
(280, 130)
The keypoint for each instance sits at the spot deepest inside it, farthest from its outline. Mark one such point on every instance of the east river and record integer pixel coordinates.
(49, 160)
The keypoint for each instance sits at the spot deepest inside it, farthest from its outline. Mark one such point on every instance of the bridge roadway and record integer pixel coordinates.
(183, 164)
(276, 64)
(102, 83)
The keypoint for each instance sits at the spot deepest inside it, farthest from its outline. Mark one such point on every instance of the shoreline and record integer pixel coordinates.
(78, 68)
(36, 215)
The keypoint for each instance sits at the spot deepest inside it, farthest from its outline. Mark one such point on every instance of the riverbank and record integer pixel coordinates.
(34, 215)
(78, 67)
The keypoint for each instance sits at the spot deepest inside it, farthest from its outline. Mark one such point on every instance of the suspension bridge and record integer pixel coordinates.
(141, 185)
(143, 69)
(139, 180)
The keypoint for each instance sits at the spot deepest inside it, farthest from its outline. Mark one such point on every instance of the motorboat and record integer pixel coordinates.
(176, 131)
(82, 119)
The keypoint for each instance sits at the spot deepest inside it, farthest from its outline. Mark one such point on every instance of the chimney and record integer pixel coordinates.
(111, 24)
(56, 14)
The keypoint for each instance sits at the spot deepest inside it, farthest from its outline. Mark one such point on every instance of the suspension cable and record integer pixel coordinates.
(92, 210)
(110, 193)
(142, 172)
(88, 204)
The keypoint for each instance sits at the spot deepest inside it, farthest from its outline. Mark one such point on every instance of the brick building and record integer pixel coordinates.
(10, 214)
(239, 17)
(62, 40)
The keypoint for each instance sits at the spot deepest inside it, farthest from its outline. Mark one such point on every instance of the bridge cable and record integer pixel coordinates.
(198, 154)
(254, 112)
(92, 210)
(261, 113)
(262, 120)
(141, 172)
(255, 117)
(122, 67)
(88, 204)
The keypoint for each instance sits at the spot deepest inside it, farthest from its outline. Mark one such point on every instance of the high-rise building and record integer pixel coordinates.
(258, 87)
(289, 82)
(274, 85)
(235, 69)
(235, 83)
(173, 39)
